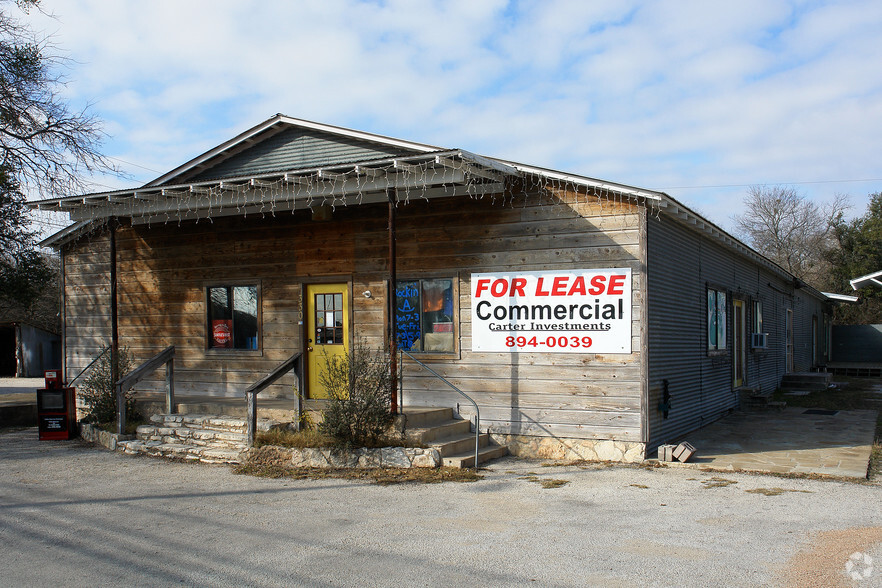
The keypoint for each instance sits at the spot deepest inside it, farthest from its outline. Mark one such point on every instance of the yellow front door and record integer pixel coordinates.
(327, 330)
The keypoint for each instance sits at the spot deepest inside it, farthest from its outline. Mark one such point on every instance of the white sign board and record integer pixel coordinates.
(570, 311)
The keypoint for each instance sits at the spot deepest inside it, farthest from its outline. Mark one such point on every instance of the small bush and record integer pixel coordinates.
(98, 394)
(359, 405)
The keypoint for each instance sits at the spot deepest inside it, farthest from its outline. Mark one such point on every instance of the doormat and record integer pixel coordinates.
(820, 411)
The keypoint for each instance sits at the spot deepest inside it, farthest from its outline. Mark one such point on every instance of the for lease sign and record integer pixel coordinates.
(572, 311)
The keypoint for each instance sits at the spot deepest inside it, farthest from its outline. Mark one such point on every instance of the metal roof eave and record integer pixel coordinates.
(841, 297)
(874, 279)
(689, 217)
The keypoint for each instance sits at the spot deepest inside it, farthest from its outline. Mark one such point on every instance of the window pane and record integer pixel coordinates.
(437, 319)
(245, 317)
(721, 320)
(407, 315)
(758, 317)
(220, 319)
(319, 301)
(338, 301)
(220, 303)
(711, 319)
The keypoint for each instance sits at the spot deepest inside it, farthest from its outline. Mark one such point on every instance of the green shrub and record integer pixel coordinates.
(98, 394)
(358, 413)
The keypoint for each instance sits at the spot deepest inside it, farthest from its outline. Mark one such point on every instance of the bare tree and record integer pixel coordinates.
(46, 145)
(791, 230)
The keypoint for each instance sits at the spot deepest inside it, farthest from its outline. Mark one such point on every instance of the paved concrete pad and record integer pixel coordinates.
(788, 442)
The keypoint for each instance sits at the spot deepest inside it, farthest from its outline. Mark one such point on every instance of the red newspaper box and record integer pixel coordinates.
(56, 409)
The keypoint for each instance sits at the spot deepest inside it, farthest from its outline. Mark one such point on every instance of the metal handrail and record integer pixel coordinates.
(91, 363)
(294, 362)
(461, 393)
(167, 357)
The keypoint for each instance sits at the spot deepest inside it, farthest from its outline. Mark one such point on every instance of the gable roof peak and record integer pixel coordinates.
(272, 126)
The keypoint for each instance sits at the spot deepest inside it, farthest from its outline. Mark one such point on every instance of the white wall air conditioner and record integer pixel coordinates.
(759, 341)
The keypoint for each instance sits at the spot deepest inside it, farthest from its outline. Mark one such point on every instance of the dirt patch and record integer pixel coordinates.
(823, 562)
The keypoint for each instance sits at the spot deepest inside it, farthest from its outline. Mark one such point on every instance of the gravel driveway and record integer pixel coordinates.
(75, 515)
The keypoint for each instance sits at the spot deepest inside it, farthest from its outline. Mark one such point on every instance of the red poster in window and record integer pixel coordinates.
(222, 333)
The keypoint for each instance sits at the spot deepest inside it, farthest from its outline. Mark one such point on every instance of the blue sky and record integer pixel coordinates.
(699, 99)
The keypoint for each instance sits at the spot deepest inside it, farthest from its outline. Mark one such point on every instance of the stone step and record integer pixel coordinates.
(456, 444)
(467, 459)
(189, 435)
(419, 418)
(181, 451)
(210, 422)
(806, 381)
(426, 435)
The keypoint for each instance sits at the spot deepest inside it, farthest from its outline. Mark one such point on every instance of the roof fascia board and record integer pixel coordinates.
(281, 119)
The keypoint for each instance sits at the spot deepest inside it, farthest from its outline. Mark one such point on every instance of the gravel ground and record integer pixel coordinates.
(75, 515)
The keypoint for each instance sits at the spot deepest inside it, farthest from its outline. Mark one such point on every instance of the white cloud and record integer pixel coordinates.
(648, 93)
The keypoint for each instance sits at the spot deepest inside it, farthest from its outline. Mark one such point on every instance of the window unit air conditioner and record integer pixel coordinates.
(759, 341)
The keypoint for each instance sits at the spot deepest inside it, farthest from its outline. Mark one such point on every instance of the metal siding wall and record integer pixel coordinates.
(296, 149)
(806, 306)
(675, 330)
(682, 264)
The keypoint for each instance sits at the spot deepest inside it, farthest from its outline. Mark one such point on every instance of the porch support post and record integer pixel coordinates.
(393, 279)
(114, 315)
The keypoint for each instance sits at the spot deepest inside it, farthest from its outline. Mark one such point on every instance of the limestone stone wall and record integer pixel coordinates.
(392, 457)
(571, 449)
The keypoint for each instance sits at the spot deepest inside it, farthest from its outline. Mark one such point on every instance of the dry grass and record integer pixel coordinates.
(299, 439)
(717, 482)
(381, 476)
(307, 438)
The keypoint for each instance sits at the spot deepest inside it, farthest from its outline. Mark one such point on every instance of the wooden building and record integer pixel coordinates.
(586, 318)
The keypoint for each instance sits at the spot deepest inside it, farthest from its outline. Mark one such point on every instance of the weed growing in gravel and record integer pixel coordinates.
(774, 491)
(716, 482)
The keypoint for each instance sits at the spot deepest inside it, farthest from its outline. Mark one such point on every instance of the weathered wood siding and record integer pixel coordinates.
(163, 272)
(86, 301)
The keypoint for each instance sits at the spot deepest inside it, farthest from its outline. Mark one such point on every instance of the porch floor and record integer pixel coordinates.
(791, 441)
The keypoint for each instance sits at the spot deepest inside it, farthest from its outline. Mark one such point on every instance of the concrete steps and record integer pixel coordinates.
(197, 437)
(806, 381)
(453, 438)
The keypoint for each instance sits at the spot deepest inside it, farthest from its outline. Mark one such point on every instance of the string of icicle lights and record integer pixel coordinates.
(279, 193)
